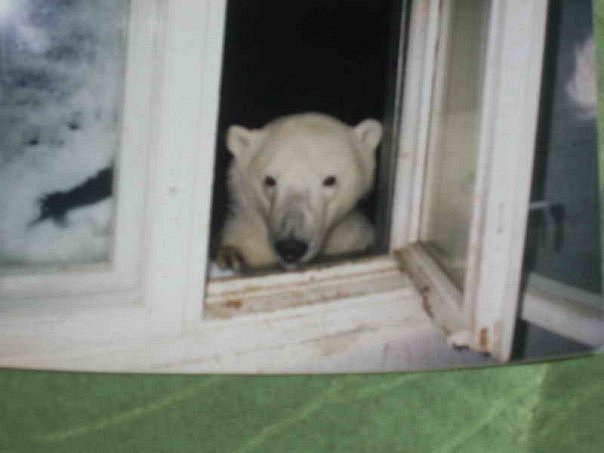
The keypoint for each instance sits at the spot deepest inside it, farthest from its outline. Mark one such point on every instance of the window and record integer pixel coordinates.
(476, 307)
(563, 259)
(59, 138)
(481, 107)
(320, 63)
(72, 186)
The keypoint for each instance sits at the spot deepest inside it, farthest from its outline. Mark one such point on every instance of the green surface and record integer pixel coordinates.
(553, 407)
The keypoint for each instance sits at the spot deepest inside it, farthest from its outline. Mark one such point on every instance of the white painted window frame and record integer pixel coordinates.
(483, 316)
(172, 81)
(563, 309)
(163, 327)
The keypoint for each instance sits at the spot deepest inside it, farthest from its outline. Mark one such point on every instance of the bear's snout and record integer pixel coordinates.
(291, 250)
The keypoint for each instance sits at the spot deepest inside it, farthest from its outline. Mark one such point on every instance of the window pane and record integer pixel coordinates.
(563, 238)
(61, 75)
(451, 165)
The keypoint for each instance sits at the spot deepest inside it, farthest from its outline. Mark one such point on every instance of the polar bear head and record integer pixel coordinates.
(302, 173)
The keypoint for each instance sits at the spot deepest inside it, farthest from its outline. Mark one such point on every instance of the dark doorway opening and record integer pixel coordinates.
(342, 58)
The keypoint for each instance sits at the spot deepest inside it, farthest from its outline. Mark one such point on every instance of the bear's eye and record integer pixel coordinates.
(269, 181)
(329, 181)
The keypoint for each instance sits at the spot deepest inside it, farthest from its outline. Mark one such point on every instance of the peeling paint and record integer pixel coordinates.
(235, 303)
(361, 279)
(424, 292)
(484, 339)
(427, 308)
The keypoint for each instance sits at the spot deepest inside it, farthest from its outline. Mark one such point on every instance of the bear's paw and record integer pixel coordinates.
(229, 257)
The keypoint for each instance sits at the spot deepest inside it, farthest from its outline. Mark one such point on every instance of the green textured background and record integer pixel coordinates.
(551, 407)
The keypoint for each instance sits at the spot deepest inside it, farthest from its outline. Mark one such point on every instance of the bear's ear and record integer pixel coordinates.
(240, 141)
(369, 133)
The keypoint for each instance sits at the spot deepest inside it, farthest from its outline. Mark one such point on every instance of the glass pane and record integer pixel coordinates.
(451, 165)
(61, 77)
(563, 238)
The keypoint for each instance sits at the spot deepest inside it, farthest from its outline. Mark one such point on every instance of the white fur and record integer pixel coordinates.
(300, 152)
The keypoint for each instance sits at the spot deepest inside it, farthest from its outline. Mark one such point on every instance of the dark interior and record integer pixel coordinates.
(332, 56)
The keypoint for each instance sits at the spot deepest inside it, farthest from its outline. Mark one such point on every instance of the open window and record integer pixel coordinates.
(472, 179)
(562, 307)
(320, 63)
(456, 84)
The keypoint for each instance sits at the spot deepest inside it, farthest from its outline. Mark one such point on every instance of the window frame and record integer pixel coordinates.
(483, 316)
(163, 327)
(42, 332)
(563, 309)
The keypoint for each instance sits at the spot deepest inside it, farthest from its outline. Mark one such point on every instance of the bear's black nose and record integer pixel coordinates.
(291, 250)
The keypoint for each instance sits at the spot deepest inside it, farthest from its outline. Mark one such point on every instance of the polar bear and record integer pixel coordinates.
(293, 186)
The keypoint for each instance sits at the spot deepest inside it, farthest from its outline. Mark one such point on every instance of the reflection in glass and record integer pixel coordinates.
(563, 239)
(61, 74)
(451, 168)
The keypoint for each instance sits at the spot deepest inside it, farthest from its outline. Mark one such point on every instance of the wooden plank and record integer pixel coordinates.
(241, 296)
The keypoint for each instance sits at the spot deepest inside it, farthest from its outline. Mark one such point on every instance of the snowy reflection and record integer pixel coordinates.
(61, 75)
(564, 240)
(8, 8)
(581, 87)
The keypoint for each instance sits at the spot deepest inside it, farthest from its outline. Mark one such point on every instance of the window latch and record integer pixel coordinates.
(549, 220)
